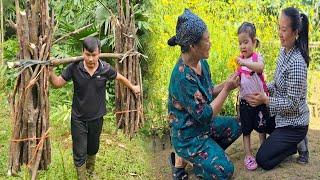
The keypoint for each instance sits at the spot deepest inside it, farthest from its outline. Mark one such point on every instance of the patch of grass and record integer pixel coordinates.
(5, 132)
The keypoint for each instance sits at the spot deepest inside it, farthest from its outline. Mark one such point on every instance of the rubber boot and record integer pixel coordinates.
(90, 167)
(82, 172)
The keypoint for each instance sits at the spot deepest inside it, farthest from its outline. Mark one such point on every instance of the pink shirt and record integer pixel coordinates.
(250, 83)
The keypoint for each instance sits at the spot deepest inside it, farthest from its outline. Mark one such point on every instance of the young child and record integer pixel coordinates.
(251, 81)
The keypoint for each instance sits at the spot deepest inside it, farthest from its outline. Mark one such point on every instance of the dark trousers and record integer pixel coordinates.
(253, 118)
(85, 139)
(281, 143)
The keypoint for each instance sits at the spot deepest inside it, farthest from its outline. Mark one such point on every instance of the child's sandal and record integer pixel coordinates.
(250, 163)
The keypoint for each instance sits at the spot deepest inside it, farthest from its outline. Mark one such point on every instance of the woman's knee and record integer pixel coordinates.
(265, 165)
(263, 160)
(223, 171)
(211, 169)
(229, 169)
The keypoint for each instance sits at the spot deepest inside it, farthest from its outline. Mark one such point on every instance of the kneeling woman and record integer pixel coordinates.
(288, 92)
(198, 135)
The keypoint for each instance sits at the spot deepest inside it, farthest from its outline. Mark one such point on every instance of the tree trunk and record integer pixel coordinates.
(30, 143)
(129, 109)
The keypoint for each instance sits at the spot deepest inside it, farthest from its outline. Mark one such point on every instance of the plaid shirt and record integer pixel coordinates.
(288, 90)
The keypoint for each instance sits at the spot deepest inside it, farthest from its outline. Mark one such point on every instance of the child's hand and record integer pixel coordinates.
(136, 89)
(241, 61)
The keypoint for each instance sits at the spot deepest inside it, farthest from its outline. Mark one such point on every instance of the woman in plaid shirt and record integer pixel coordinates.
(288, 92)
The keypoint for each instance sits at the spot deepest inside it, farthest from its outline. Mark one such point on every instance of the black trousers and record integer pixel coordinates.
(253, 118)
(281, 143)
(85, 139)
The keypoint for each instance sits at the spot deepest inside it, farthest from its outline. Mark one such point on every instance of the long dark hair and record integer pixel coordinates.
(300, 22)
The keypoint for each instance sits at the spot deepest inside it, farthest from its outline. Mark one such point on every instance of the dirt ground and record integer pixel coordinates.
(288, 169)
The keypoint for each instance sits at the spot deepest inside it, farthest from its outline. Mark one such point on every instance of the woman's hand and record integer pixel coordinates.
(232, 82)
(257, 99)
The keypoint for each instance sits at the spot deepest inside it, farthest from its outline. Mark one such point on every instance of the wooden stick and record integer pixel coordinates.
(12, 24)
(126, 95)
(132, 74)
(131, 98)
(72, 33)
(56, 62)
(34, 22)
(25, 35)
(141, 96)
(118, 49)
(138, 104)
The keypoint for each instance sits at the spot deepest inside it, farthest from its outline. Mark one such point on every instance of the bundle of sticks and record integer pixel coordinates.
(30, 143)
(129, 110)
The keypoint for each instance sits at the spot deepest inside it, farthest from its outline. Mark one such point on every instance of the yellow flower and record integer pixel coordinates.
(166, 18)
(165, 2)
(233, 64)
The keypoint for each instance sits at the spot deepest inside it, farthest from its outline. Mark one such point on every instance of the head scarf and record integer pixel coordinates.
(189, 29)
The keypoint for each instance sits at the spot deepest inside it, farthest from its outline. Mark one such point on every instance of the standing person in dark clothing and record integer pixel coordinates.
(88, 105)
